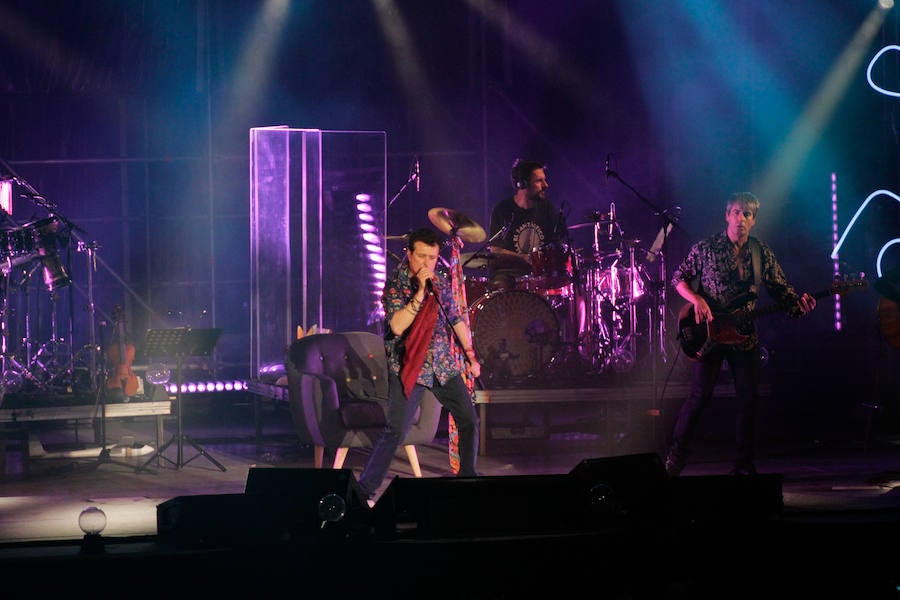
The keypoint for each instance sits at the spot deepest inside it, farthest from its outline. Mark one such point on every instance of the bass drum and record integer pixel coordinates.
(515, 334)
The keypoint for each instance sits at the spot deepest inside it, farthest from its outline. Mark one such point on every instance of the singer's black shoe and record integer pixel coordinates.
(674, 462)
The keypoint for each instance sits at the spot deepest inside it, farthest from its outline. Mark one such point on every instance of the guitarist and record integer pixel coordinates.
(716, 271)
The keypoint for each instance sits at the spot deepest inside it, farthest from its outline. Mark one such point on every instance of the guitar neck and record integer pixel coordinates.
(835, 290)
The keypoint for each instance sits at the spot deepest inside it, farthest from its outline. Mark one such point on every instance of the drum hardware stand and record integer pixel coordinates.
(625, 351)
(180, 343)
(45, 358)
(14, 374)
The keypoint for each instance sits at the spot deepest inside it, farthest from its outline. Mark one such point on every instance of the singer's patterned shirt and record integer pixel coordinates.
(440, 362)
(712, 269)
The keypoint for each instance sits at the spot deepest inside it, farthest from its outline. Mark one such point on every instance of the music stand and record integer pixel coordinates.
(179, 343)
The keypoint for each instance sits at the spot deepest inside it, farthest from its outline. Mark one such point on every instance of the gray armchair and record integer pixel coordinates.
(337, 390)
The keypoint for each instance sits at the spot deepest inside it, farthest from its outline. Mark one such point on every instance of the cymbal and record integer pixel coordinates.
(454, 222)
(479, 262)
(396, 237)
(487, 259)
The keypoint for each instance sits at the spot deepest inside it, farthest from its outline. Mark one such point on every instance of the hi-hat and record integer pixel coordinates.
(455, 223)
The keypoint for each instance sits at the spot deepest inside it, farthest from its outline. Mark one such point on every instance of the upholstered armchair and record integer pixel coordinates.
(337, 390)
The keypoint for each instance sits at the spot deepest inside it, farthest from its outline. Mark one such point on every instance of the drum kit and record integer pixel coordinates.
(564, 312)
(24, 250)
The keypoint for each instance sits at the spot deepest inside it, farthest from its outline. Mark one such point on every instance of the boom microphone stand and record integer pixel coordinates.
(657, 350)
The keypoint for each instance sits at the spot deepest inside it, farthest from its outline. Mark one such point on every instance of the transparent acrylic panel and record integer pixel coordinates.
(317, 225)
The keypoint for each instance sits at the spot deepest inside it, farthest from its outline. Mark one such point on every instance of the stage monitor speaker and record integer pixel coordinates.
(726, 498)
(278, 504)
(488, 505)
(226, 520)
(631, 485)
(307, 484)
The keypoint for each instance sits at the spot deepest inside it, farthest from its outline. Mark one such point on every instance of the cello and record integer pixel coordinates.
(121, 355)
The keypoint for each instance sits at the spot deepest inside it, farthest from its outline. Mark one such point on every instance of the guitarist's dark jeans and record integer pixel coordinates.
(744, 366)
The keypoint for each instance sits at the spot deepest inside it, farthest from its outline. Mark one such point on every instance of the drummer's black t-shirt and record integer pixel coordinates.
(529, 229)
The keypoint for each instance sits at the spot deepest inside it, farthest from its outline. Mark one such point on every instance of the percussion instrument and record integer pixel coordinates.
(455, 223)
(552, 265)
(515, 334)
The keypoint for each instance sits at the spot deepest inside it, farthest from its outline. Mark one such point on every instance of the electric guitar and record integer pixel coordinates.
(699, 339)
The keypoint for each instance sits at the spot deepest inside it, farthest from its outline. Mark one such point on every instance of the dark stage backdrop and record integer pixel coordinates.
(131, 120)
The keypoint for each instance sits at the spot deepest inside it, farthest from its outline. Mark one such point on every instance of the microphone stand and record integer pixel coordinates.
(455, 334)
(412, 177)
(657, 350)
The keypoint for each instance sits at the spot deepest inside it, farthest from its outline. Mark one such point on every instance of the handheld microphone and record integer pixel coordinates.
(429, 287)
(612, 217)
(418, 176)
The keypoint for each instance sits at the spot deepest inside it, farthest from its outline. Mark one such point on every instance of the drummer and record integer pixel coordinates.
(529, 221)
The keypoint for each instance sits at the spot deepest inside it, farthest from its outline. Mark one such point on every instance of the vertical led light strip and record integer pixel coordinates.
(6, 196)
(373, 241)
(835, 261)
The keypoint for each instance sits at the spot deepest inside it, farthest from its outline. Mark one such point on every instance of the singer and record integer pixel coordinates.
(419, 312)
(534, 224)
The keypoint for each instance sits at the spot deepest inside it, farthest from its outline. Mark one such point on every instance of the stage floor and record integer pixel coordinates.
(851, 482)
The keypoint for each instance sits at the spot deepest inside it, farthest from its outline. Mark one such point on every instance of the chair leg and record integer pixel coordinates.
(318, 456)
(413, 457)
(340, 455)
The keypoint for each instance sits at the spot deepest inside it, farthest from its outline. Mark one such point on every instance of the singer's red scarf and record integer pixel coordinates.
(417, 342)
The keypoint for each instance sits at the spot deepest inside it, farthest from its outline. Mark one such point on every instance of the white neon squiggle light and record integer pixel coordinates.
(862, 207)
(881, 253)
(872, 62)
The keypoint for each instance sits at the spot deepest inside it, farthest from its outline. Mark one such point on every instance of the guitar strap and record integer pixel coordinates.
(757, 265)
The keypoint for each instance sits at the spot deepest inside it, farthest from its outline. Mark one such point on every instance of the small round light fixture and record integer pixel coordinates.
(158, 373)
(92, 521)
(332, 509)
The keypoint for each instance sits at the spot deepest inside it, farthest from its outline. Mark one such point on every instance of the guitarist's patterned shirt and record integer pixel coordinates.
(711, 268)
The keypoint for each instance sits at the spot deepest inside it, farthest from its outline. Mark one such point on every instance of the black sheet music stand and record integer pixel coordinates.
(178, 344)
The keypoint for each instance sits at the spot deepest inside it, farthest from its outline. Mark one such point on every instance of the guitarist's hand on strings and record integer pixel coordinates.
(702, 311)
